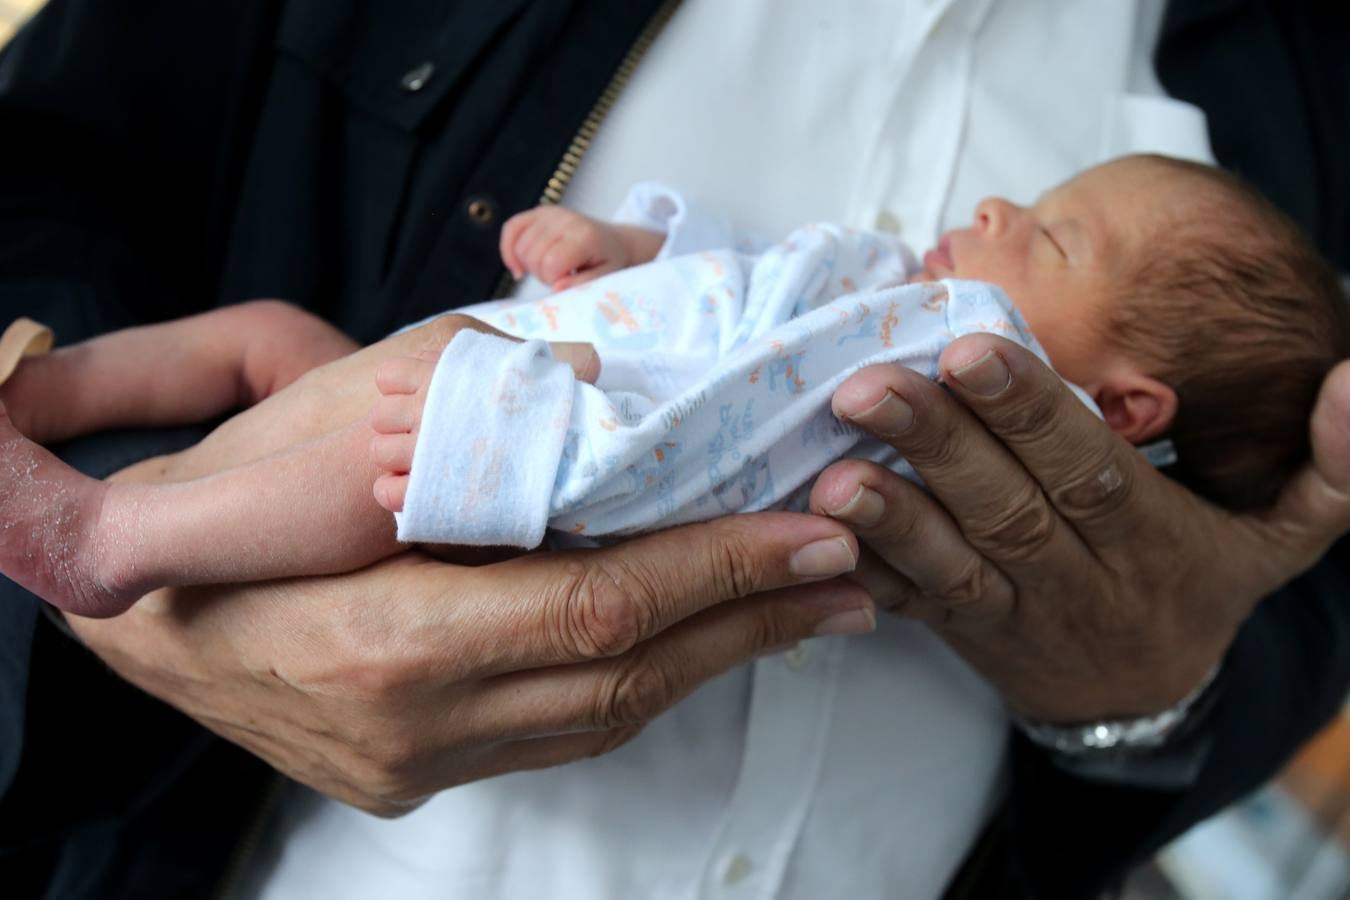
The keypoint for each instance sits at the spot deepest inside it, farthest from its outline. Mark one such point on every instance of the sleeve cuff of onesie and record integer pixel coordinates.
(688, 229)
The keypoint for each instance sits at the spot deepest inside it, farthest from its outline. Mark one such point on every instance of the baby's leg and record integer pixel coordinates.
(187, 370)
(93, 548)
(300, 504)
(320, 401)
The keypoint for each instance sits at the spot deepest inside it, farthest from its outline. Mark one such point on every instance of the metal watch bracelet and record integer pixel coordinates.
(1119, 735)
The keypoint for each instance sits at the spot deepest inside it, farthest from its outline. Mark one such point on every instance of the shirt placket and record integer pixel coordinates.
(791, 710)
(907, 181)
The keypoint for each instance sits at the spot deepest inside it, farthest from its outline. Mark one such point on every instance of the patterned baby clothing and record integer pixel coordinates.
(719, 360)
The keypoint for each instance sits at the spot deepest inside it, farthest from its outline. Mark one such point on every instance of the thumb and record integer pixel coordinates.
(1314, 509)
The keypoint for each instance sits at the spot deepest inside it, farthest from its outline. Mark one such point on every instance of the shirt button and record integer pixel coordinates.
(887, 222)
(796, 658)
(482, 211)
(736, 869)
(417, 77)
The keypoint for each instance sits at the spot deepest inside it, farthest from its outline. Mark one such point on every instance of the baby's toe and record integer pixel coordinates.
(390, 491)
(407, 374)
(396, 413)
(393, 452)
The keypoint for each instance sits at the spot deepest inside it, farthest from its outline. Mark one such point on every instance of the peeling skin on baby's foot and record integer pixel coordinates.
(53, 537)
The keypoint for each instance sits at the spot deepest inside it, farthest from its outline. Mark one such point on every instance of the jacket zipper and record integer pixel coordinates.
(248, 842)
(557, 184)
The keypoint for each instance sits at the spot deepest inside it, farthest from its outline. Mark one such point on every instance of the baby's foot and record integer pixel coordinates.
(52, 538)
(396, 418)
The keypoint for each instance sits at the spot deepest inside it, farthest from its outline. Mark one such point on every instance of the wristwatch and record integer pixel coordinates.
(1163, 750)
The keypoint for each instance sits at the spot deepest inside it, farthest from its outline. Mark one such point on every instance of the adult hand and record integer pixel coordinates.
(1082, 583)
(384, 686)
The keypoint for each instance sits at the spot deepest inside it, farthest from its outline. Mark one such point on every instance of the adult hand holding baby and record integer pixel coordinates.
(384, 686)
(1080, 582)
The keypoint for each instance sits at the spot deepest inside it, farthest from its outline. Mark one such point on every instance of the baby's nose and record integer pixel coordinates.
(993, 215)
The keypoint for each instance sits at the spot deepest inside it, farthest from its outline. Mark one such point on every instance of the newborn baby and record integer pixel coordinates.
(1180, 302)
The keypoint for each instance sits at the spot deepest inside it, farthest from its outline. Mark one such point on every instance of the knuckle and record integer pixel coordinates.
(1028, 419)
(383, 809)
(769, 630)
(935, 449)
(556, 262)
(609, 741)
(1020, 531)
(637, 692)
(967, 588)
(601, 613)
(903, 524)
(737, 570)
(372, 667)
(1096, 490)
(383, 763)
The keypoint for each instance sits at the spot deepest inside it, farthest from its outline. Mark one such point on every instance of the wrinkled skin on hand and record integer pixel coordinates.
(382, 687)
(1083, 584)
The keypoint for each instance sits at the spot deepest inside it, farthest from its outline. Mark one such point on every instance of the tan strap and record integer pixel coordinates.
(22, 338)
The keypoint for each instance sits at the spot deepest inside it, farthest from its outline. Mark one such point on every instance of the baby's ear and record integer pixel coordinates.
(1137, 407)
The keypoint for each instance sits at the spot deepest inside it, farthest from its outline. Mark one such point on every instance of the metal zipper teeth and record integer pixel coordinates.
(247, 845)
(557, 183)
(567, 166)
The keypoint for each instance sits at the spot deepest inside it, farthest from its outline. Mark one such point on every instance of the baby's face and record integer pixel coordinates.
(1057, 258)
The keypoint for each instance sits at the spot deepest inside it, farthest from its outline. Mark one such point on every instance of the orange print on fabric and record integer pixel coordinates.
(550, 314)
(888, 326)
(936, 301)
(616, 313)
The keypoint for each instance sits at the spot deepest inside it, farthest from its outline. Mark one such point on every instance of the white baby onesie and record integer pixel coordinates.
(714, 398)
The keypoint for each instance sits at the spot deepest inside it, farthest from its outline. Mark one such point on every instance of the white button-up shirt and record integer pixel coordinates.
(848, 767)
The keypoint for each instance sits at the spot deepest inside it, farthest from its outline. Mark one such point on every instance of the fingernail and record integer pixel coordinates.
(857, 621)
(583, 359)
(986, 376)
(890, 417)
(823, 559)
(866, 507)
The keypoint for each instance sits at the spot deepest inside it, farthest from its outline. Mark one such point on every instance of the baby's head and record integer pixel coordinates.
(1186, 304)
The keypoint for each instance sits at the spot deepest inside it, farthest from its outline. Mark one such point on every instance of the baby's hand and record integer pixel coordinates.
(563, 248)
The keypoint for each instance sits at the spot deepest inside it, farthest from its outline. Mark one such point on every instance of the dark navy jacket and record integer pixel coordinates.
(160, 157)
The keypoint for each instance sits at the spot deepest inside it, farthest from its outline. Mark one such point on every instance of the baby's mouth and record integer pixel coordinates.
(940, 257)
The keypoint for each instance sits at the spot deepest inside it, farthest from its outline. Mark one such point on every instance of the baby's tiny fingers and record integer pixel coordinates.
(515, 227)
(587, 274)
(559, 259)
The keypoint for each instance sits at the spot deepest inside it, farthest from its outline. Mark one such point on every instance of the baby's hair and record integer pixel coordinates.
(1240, 315)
